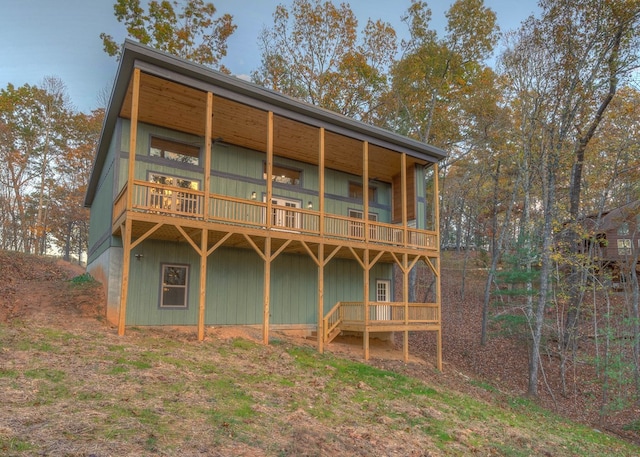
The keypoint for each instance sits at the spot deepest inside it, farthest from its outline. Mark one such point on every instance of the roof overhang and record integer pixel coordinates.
(157, 64)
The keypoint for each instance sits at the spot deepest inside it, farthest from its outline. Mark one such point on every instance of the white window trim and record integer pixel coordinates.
(161, 305)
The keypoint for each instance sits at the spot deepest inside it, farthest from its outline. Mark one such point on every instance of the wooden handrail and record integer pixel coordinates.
(329, 324)
(162, 198)
(386, 313)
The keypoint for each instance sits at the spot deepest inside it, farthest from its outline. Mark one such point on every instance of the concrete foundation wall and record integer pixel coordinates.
(107, 269)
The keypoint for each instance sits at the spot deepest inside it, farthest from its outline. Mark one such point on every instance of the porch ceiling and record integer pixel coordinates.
(179, 107)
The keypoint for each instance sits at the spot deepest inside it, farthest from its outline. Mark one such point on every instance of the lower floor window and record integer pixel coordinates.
(175, 279)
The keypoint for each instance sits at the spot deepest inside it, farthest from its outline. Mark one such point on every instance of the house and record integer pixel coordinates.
(617, 232)
(216, 202)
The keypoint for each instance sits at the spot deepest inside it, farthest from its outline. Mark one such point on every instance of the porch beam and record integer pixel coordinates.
(203, 283)
(269, 169)
(376, 258)
(362, 264)
(255, 246)
(321, 179)
(145, 235)
(133, 134)
(266, 291)
(403, 196)
(208, 132)
(190, 241)
(315, 258)
(126, 260)
(405, 299)
(219, 243)
(320, 329)
(279, 251)
(365, 189)
(365, 335)
(332, 255)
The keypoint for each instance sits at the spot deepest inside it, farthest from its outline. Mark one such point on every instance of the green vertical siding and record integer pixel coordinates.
(235, 279)
(102, 208)
(294, 290)
(144, 284)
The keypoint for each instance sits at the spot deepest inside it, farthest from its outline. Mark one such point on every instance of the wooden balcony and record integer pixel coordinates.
(158, 199)
(380, 317)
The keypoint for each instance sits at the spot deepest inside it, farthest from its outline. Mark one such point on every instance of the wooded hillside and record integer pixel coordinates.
(541, 125)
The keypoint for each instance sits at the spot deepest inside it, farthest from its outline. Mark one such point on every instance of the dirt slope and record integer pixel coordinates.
(37, 292)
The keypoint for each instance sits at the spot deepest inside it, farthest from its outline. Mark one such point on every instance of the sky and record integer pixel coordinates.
(61, 38)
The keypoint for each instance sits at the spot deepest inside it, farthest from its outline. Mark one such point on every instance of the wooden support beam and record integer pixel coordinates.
(126, 244)
(203, 283)
(255, 246)
(365, 189)
(124, 287)
(311, 253)
(208, 132)
(280, 249)
(357, 257)
(267, 242)
(269, 165)
(320, 329)
(375, 259)
(267, 291)
(133, 135)
(190, 240)
(219, 243)
(405, 299)
(437, 270)
(403, 194)
(332, 255)
(145, 235)
(321, 180)
(365, 335)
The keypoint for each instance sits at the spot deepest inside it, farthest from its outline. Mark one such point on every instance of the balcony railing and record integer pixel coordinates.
(175, 201)
(390, 315)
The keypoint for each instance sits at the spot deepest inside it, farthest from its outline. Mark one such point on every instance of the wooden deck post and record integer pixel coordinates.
(267, 290)
(203, 283)
(365, 217)
(126, 261)
(208, 132)
(267, 241)
(133, 135)
(321, 298)
(126, 242)
(321, 182)
(405, 298)
(321, 245)
(365, 335)
(438, 279)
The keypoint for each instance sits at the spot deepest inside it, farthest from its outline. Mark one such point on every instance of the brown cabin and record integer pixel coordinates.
(618, 235)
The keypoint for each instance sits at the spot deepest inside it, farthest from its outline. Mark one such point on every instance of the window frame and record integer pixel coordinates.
(373, 192)
(623, 229)
(181, 148)
(625, 247)
(278, 178)
(185, 287)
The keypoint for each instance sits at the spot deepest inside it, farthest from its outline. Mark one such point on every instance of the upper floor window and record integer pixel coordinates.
(284, 175)
(623, 229)
(174, 150)
(355, 192)
(624, 247)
